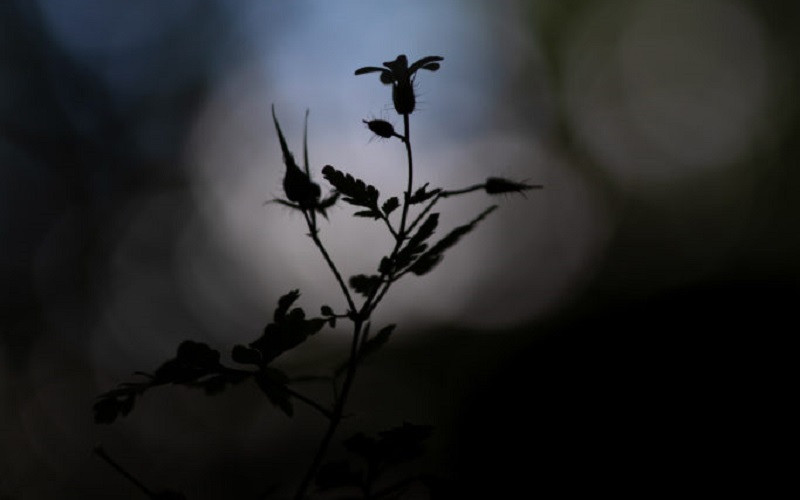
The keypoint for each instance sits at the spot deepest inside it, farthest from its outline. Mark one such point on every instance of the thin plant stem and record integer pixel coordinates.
(338, 411)
(389, 225)
(305, 399)
(99, 451)
(407, 198)
(315, 237)
(440, 195)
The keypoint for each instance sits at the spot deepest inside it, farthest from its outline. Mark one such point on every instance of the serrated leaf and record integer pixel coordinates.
(355, 191)
(285, 335)
(289, 329)
(390, 205)
(428, 260)
(365, 285)
(197, 355)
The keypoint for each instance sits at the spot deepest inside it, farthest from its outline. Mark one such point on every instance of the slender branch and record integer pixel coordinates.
(338, 411)
(389, 225)
(305, 399)
(315, 237)
(424, 212)
(475, 187)
(99, 451)
(443, 194)
(373, 301)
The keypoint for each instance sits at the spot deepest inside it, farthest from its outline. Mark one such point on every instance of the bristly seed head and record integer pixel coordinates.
(381, 128)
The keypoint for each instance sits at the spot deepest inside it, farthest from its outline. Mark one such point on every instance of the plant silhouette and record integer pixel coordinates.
(413, 252)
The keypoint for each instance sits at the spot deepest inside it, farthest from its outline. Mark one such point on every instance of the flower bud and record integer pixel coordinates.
(381, 128)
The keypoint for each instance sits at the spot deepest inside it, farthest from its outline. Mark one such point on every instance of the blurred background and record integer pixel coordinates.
(625, 329)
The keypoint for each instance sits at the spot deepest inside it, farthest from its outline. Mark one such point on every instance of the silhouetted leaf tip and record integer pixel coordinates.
(498, 185)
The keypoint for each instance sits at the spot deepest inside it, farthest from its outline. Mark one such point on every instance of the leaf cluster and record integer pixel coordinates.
(355, 192)
(198, 365)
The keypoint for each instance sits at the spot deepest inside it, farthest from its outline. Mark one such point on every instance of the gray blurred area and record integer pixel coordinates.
(625, 330)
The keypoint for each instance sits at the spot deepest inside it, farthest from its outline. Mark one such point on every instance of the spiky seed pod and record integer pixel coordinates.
(381, 128)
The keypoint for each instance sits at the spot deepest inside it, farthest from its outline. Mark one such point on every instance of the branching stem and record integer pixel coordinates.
(338, 412)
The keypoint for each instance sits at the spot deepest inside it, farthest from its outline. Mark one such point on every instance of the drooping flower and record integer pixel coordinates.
(400, 76)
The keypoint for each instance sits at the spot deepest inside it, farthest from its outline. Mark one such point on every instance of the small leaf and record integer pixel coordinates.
(365, 285)
(373, 214)
(272, 383)
(376, 342)
(284, 303)
(197, 355)
(355, 191)
(369, 347)
(416, 244)
(390, 205)
(327, 203)
(428, 260)
(421, 195)
(386, 266)
(326, 311)
(498, 185)
(285, 335)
